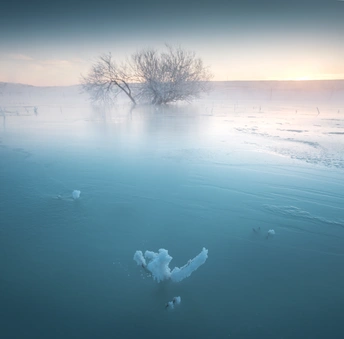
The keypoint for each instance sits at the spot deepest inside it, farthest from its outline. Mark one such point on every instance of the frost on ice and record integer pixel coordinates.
(158, 264)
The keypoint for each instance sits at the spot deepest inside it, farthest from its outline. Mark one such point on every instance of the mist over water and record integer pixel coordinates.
(219, 173)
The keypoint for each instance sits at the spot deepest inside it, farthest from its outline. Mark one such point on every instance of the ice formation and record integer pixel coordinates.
(76, 194)
(175, 301)
(158, 264)
(270, 233)
(178, 274)
(140, 260)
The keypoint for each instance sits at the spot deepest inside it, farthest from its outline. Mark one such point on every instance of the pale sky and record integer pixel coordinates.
(51, 43)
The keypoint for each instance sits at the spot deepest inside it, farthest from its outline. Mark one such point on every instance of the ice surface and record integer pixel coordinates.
(158, 264)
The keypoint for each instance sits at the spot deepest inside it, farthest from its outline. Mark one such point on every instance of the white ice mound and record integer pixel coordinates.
(271, 232)
(158, 264)
(76, 194)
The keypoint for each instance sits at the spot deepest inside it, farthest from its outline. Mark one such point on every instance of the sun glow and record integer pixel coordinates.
(338, 76)
(303, 78)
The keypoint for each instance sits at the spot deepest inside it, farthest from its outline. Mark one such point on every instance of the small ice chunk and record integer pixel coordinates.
(158, 264)
(76, 194)
(175, 301)
(170, 305)
(271, 233)
(140, 260)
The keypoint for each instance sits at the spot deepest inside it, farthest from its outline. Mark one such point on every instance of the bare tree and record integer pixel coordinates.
(158, 77)
(106, 80)
(173, 75)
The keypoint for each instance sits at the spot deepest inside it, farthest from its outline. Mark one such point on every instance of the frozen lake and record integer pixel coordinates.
(218, 173)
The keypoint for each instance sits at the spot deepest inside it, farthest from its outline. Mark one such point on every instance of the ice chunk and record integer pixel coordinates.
(158, 264)
(140, 260)
(270, 234)
(178, 274)
(171, 304)
(177, 300)
(76, 194)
